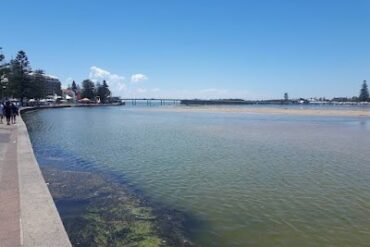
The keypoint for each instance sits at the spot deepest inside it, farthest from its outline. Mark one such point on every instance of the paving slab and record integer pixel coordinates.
(10, 233)
(28, 215)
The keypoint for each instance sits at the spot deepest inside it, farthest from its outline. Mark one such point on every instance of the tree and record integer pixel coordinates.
(2, 64)
(97, 89)
(58, 88)
(4, 74)
(38, 84)
(103, 91)
(19, 81)
(74, 87)
(88, 89)
(2, 57)
(364, 93)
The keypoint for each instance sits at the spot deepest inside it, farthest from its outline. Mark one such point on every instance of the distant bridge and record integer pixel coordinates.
(150, 100)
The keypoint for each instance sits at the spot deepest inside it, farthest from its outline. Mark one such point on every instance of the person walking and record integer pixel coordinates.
(7, 112)
(14, 113)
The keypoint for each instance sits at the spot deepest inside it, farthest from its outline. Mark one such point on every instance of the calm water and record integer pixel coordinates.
(248, 179)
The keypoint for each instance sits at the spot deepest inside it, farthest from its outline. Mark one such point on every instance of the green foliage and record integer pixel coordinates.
(74, 87)
(2, 57)
(38, 82)
(103, 91)
(19, 81)
(23, 83)
(4, 72)
(57, 87)
(88, 89)
(364, 93)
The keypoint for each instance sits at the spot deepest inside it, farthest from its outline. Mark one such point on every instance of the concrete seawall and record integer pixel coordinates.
(28, 215)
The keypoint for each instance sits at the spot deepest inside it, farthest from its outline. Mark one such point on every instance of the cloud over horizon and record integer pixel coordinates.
(118, 87)
(138, 77)
(115, 82)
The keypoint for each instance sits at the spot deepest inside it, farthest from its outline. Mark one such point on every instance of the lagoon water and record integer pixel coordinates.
(246, 179)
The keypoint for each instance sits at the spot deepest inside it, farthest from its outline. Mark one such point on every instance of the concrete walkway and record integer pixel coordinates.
(28, 216)
(9, 189)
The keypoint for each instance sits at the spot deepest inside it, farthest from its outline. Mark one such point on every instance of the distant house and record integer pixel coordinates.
(340, 99)
(53, 85)
(69, 95)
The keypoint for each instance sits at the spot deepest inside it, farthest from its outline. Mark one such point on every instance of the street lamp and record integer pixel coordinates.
(3, 81)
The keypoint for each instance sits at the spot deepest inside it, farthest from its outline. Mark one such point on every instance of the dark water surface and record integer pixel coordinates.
(248, 179)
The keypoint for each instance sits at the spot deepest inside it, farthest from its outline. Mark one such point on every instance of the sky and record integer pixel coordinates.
(250, 49)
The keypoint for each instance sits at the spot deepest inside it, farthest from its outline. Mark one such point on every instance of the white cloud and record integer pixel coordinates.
(132, 90)
(138, 77)
(115, 82)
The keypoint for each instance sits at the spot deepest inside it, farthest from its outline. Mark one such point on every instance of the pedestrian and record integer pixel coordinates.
(14, 113)
(7, 112)
(1, 112)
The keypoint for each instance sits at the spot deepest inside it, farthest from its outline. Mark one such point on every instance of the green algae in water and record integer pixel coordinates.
(100, 213)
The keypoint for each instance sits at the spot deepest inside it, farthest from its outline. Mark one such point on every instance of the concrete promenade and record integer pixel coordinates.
(28, 216)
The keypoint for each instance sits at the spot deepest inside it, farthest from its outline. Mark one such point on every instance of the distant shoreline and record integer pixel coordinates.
(268, 102)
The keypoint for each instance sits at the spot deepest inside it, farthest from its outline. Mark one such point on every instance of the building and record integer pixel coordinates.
(51, 86)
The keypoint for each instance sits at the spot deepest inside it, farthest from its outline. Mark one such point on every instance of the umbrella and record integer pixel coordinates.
(85, 100)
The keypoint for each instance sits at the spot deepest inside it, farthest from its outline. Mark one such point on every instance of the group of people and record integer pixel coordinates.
(10, 111)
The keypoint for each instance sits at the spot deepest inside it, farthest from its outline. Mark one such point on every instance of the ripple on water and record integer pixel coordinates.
(251, 180)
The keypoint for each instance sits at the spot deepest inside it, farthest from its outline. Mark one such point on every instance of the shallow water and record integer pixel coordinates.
(248, 179)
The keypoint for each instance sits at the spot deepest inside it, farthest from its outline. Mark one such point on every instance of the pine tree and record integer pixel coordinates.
(106, 91)
(4, 71)
(2, 57)
(364, 93)
(102, 90)
(74, 87)
(19, 79)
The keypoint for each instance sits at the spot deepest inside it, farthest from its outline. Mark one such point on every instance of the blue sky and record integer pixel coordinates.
(204, 49)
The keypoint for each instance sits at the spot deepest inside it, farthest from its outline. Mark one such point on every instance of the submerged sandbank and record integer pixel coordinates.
(299, 111)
